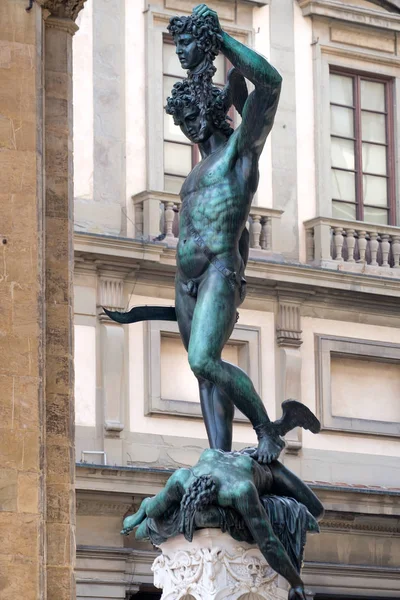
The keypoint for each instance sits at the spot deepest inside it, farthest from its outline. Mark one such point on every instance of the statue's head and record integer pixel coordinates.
(197, 39)
(198, 123)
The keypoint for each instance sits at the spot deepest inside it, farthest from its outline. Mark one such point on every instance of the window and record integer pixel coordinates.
(362, 178)
(180, 155)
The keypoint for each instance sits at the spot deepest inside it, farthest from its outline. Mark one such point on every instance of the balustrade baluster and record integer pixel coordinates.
(255, 231)
(310, 244)
(338, 241)
(374, 246)
(265, 237)
(362, 245)
(169, 219)
(351, 242)
(385, 245)
(396, 252)
(138, 221)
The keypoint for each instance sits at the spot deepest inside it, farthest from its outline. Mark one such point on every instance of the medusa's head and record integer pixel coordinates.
(198, 121)
(197, 39)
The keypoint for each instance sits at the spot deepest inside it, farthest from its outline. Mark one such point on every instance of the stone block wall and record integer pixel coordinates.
(21, 304)
(37, 460)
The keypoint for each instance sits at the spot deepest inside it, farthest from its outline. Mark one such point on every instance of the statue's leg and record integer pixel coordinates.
(213, 320)
(247, 503)
(287, 483)
(216, 407)
(171, 495)
(218, 411)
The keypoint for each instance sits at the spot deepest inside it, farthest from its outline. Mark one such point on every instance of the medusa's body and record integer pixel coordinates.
(234, 480)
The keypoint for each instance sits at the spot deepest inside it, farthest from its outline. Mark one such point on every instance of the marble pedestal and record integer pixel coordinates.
(215, 567)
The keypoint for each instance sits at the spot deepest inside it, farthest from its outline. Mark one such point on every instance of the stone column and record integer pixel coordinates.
(22, 487)
(36, 373)
(214, 566)
(58, 252)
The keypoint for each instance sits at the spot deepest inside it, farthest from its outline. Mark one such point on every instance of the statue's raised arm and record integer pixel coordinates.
(261, 105)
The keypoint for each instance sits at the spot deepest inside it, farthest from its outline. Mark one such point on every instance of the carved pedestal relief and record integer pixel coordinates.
(214, 566)
(289, 340)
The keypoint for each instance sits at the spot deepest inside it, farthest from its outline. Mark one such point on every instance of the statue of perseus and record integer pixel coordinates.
(212, 254)
(216, 198)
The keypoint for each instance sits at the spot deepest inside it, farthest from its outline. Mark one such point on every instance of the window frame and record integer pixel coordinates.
(360, 75)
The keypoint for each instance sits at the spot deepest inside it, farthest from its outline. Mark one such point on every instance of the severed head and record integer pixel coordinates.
(198, 119)
(197, 40)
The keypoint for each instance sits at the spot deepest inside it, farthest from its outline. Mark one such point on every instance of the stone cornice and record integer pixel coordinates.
(325, 568)
(264, 276)
(124, 485)
(66, 9)
(344, 11)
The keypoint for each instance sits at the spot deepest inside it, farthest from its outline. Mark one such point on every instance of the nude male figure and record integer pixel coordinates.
(213, 239)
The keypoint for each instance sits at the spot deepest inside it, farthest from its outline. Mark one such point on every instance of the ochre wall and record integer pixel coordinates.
(21, 304)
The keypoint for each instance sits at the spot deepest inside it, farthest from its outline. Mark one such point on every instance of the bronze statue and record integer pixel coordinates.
(238, 492)
(265, 504)
(216, 198)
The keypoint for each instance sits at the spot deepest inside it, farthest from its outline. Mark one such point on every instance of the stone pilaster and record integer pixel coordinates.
(59, 389)
(289, 340)
(112, 359)
(284, 132)
(22, 486)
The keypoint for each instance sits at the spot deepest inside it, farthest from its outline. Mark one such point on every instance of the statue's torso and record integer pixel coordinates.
(216, 199)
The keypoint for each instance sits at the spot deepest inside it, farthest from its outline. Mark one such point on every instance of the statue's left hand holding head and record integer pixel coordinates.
(202, 10)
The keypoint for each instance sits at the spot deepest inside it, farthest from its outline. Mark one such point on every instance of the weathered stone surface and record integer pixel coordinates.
(26, 403)
(60, 583)
(19, 534)
(59, 499)
(8, 490)
(28, 493)
(18, 578)
(59, 423)
(7, 398)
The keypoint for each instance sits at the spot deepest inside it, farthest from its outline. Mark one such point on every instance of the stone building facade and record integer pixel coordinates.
(321, 321)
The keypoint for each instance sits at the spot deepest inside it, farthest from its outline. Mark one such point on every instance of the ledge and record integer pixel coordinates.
(342, 11)
(137, 480)
(156, 259)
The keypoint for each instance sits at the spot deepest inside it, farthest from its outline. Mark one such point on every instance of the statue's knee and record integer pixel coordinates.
(200, 365)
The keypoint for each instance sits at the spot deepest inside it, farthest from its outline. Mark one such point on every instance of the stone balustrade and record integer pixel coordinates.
(157, 215)
(353, 246)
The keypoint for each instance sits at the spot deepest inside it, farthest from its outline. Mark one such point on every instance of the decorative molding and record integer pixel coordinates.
(157, 259)
(102, 507)
(214, 566)
(246, 338)
(372, 58)
(61, 24)
(341, 525)
(111, 292)
(288, 328)
(344, 11)
(352, 348)
(363, 38)
(66, 9)
(113, 426)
